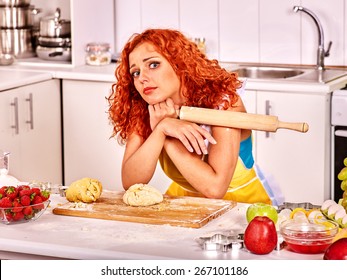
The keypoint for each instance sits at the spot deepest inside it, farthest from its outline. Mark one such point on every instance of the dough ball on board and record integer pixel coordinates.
(84, 190)
(142, 195)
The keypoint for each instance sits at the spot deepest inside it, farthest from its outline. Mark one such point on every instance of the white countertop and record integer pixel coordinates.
(29, 74)
(12, 79)
(18, 74)
(55, 236)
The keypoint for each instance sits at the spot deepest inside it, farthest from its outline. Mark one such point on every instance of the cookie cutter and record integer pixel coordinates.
(221, 242)
(292, 206)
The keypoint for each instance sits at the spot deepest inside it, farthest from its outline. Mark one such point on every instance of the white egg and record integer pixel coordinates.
(340, 214)
(332, 210)
(326, 204)
(316, 214)
(285, 212)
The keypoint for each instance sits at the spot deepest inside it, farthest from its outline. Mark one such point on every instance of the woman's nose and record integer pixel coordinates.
(143, 77)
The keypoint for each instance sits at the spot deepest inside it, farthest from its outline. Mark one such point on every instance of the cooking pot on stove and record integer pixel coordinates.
(54, 26)
(14, 3)
(17, 17)
(18, 42)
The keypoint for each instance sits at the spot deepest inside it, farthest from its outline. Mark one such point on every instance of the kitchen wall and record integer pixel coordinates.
(265, 31)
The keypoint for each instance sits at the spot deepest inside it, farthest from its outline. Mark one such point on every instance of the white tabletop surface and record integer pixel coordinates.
(56, 236)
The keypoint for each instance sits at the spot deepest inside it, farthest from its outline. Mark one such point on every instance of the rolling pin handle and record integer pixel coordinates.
(300, 127)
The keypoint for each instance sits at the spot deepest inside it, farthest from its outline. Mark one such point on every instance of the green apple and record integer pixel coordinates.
(261, 209)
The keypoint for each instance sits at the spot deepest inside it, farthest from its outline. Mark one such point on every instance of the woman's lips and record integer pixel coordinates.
(148, 90)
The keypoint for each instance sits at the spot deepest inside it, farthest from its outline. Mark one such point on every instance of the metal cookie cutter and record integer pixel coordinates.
(221, 242)
(292, 206)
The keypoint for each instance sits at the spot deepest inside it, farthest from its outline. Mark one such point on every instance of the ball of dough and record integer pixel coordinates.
(84, 190)
(142, 195)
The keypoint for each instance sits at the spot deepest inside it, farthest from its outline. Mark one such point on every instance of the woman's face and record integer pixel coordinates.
(154, 78)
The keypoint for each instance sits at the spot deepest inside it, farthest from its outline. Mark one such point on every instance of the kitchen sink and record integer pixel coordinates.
(294, 74)
(267, 72)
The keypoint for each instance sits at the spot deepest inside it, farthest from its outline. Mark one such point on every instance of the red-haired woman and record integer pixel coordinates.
(160, 71)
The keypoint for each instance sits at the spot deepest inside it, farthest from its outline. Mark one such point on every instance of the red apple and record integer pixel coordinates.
(260, 236)
(337, 250)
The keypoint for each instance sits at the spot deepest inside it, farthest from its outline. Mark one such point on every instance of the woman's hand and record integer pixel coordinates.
(159, 111)
(190, 134)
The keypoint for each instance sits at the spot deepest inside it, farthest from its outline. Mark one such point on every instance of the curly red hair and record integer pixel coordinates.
(204, 83)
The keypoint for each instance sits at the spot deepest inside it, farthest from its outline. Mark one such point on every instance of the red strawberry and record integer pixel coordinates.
(25, 192)
(18, 216)
(25, 200)
(23, 187)
(37, 203)
(3, 189)
(37, 191)
(45, 195)
(5, 202)
(2, 192)
(12, 192)
(28, 212)
(17, 207)
(9, 216)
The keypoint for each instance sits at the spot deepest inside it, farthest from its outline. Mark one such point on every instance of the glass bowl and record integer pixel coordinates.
(23, 214)
(312, 236)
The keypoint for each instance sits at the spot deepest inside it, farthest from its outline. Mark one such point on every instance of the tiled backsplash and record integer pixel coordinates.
(244, 31)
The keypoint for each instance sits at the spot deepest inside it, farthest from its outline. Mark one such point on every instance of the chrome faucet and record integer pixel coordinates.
(321, 53)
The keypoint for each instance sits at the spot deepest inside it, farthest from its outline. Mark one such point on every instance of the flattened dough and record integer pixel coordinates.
(142, 195)
(84, 190)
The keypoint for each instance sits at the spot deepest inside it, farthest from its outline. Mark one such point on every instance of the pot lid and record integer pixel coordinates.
(97, 47)
(55, 17)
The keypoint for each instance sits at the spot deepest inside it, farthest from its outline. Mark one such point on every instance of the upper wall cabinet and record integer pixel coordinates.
(91, 21)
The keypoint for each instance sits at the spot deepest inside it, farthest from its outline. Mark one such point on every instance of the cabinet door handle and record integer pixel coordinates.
(31, 112)
(16, 122)
(267, 112)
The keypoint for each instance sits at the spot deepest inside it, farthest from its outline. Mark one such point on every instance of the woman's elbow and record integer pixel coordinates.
(216, 192)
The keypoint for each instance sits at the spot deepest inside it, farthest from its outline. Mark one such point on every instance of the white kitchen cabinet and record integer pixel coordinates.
(30, 129)
(88, 149)
(91, 21)
(298, 161)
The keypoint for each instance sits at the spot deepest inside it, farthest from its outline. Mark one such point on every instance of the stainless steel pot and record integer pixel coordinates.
(56, 54)
(17, 17)
(54, 26)
(14, 3)
(54, 42)
(17, 42)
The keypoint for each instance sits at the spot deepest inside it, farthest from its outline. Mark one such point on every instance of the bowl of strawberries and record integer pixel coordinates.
(20, 204)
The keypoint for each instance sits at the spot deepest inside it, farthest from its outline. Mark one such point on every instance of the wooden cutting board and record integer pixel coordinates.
(192, 212)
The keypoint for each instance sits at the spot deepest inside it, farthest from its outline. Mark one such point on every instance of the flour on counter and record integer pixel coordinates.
(77, 206)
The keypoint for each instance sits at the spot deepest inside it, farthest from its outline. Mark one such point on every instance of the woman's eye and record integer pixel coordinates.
(135, 74)
(154, 65)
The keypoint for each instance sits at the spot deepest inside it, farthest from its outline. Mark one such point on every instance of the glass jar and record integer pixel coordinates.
(98, 54)
(201, 43)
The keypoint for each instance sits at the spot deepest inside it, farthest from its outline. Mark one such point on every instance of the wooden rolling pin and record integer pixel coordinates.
(237, 119)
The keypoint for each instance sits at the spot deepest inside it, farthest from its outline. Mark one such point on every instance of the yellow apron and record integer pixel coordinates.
(246, 185)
